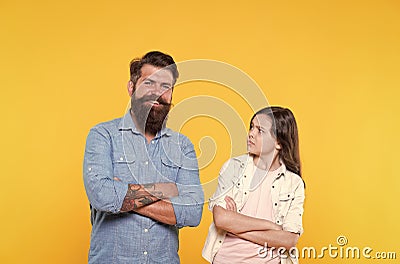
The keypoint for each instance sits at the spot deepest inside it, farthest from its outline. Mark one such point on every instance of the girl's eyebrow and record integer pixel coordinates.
(258, 126)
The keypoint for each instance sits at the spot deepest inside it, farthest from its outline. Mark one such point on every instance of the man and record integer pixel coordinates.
(141, 178)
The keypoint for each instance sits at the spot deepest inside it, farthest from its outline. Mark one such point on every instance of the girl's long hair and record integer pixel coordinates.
(284, 129)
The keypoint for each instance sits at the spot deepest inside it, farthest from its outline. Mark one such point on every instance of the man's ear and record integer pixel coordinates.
(131, 88)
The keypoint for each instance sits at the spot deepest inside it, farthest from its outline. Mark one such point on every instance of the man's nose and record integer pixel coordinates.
(156, 89)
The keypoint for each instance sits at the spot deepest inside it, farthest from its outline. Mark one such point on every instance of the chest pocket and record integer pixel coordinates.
(124, 168)
(285, 200)
(169, 169)
(237, 190)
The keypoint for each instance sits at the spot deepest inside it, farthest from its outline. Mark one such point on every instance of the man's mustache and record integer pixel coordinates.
(148, 98)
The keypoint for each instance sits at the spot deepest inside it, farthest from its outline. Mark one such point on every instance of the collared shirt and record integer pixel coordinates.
(287, 194)
(117, 149)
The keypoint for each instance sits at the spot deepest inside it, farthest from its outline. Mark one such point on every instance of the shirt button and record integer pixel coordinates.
(89, 169)
(276, 204)
(273, 186)
(146, 230)
(146, 162)
(121, 158)
(245, 192)
(245, 176)
(152, 142)
(145, 252)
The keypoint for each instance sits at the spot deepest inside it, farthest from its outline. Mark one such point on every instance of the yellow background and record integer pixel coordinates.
(64, 68)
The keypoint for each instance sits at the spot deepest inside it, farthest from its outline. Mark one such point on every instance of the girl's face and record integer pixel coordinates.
(260, 141)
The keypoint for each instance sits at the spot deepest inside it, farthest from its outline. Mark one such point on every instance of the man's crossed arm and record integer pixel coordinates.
(151, 200)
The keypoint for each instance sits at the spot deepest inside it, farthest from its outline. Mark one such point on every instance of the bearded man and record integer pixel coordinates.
(141, 178)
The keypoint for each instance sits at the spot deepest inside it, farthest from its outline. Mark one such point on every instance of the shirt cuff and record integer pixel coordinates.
(294, 228)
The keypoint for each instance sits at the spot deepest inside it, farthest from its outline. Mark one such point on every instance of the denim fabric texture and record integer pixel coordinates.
(117, 149)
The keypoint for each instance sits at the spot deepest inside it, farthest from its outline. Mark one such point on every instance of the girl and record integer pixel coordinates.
(258, 204)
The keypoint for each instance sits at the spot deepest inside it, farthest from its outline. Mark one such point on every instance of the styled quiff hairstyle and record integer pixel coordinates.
(156, 59)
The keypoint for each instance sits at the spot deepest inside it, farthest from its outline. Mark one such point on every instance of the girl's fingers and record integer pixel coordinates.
(230, 203)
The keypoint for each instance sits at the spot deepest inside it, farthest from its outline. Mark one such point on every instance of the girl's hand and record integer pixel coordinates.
(230, 204)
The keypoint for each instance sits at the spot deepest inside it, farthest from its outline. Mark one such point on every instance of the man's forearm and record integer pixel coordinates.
(161, 211)
(139, 195)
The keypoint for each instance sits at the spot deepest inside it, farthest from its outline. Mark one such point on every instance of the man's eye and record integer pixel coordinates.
(147, 83)
(166, 86)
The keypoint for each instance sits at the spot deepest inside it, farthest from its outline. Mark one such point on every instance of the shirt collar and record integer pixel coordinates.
(281, 171)
(127, 123)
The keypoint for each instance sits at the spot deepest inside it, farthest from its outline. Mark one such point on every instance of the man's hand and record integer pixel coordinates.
(168, 189)
(139, 195)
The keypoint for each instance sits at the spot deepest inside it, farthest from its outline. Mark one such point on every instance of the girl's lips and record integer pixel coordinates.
(250, 142)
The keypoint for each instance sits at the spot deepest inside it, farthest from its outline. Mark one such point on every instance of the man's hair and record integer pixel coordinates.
(156, 59)
(284, 129)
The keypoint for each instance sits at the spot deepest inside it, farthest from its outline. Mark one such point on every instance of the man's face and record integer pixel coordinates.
(156, 83)
(151, 99)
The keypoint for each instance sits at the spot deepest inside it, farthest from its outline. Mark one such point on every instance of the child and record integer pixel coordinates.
(258, 204)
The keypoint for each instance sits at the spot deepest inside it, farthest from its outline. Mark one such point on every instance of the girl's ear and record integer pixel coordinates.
(278, 146)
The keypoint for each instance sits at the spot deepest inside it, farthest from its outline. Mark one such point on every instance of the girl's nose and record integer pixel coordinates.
(251, 133)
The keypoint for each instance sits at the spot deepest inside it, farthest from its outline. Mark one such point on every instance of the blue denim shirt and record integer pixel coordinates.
(117, 149)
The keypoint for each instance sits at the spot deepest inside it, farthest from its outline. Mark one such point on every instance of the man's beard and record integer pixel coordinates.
(150, 119)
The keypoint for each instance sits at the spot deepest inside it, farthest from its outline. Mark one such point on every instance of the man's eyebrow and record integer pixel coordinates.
(149, 79)
(167, 83)
(154, 81)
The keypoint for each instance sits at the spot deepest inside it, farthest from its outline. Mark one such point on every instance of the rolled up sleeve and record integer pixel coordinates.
(188, 205)
(104, 193)
(293, 221)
